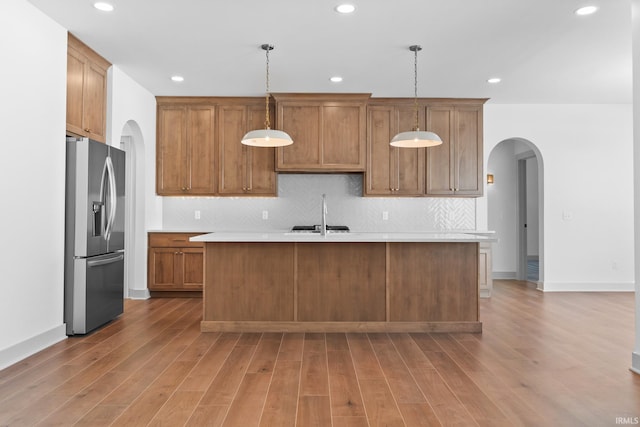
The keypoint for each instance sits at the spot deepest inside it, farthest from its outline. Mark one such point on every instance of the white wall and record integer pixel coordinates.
(32, 173)
(132, 112)
(588, 174)
(502, 207)
(635, 365)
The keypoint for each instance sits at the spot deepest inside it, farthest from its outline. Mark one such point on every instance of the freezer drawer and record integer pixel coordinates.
(97, 292)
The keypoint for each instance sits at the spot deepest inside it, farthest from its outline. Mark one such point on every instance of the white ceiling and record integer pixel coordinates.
(543, 52)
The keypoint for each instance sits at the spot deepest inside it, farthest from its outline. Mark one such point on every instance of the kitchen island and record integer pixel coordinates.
(359, 282)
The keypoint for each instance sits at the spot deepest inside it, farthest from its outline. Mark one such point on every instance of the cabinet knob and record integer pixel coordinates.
(87, 130)
(184, 188)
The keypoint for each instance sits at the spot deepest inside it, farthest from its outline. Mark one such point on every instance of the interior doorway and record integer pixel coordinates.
(528, 217)
(515, 210)
(131, 141)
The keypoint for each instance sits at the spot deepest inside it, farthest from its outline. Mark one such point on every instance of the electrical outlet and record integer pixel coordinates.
(385, 215)
(265, 214)
(196, 214)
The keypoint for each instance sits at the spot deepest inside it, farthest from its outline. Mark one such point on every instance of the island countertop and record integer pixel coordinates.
(354, 237)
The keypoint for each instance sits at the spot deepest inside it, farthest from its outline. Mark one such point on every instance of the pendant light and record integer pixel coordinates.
(267, 137)
(416, 138)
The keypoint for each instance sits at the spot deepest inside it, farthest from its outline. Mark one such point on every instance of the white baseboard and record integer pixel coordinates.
(588, 287)
(485, 293)
(139, 294)
(26, 348)
(504, 275)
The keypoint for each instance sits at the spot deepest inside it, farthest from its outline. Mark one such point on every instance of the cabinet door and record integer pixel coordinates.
(75, 84)
(192, 273)
(231, 152)
(409, 165)
(244, 170)
(165, 269)
(176, 269)
(201, 172)
(468, 151)
(343, 137)
(94, 102)
(303, 122)
(392, 170)
(439, 172)
(171, 155)
(261, 168)
(380, 161)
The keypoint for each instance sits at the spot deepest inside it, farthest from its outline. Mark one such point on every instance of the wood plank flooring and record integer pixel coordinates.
(557, 359)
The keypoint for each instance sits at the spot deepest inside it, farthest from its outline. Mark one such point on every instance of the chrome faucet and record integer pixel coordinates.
(323, 227)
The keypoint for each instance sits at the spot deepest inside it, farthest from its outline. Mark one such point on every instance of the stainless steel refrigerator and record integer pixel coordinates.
(94, 235)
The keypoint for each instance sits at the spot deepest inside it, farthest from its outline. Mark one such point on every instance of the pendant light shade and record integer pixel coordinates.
(267, 137)
(416, 138)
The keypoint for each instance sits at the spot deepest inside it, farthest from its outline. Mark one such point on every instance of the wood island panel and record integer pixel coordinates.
(249, 282)
(341, 282)
(341, 287)
(433, 282)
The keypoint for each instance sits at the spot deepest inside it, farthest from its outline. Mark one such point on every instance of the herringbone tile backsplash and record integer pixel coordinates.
(299, 203)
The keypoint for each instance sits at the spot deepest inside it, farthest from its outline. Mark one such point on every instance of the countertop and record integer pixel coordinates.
(286, 236)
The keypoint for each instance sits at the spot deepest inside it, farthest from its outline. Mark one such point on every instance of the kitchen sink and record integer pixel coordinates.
(317, 228)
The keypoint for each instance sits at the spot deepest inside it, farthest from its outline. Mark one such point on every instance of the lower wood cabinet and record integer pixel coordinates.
(485, 267)
(175, 264)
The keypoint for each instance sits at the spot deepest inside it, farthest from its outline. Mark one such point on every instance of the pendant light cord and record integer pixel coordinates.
(415, 83)
(267, 124)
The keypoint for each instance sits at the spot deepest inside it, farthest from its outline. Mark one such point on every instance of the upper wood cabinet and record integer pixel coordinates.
(86, 91)
(185, 150)
(454, 168)
(392, 171)
(328, 132)
(244, 170)
(199, 152)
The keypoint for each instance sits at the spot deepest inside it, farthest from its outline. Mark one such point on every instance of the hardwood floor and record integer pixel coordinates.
(556, 359)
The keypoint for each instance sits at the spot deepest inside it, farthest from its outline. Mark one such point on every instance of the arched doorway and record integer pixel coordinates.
(515, 210)
(132, 142)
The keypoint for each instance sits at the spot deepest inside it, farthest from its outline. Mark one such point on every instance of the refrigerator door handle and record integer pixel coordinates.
(104, 220)
(105, 261)
(113, 200)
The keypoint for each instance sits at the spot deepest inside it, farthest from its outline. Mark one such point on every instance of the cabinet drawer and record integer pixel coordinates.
(168, 240)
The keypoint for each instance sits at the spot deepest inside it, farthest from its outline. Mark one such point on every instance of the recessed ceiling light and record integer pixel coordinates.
(177, 78)
(105, 7)
(345, 8)
(336, 79)
(494, 80)
(587, 10)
